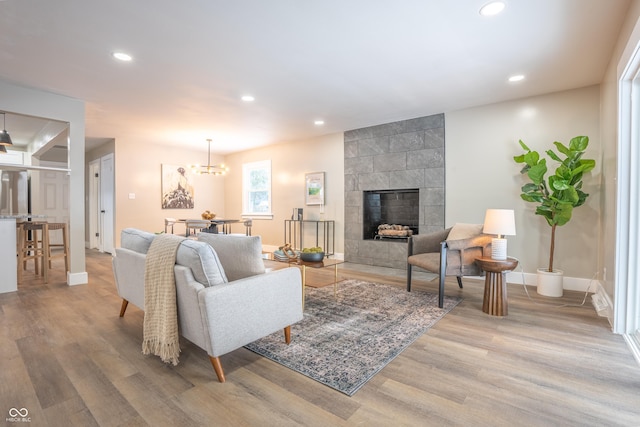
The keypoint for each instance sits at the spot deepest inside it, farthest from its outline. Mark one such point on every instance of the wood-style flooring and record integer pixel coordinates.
(70, 360)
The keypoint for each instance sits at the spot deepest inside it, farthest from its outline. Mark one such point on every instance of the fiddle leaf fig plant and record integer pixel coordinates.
(557, 195)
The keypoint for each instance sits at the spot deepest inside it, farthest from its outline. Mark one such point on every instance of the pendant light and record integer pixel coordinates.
(209, 169)
(5, 138)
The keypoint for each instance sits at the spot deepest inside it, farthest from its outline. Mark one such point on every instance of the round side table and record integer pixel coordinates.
(495, 284)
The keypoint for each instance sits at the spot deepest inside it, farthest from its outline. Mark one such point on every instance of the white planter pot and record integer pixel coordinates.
(550, 283)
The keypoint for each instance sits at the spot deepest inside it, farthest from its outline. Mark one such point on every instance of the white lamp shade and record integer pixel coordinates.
(500, 221)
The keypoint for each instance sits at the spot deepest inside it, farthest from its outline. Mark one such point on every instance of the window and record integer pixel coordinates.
(256, 189)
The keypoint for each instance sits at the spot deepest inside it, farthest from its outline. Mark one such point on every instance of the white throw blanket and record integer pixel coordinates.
(160, 307)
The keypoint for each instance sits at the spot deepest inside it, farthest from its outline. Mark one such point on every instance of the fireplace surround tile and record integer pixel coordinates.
(420, 143)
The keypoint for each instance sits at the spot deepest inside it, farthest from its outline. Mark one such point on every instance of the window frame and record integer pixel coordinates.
(247, 168)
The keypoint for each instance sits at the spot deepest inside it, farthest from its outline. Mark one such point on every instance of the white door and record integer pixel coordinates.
(53, 200)
(107, 183)
(94, 204)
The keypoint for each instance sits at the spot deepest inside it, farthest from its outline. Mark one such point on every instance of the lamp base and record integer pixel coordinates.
(499, 249)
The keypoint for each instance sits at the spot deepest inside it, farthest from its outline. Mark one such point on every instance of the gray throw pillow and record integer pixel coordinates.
(241, 256)
(136, 240)
(203, 262)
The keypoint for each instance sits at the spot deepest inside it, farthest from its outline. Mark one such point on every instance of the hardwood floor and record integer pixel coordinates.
(70, 360)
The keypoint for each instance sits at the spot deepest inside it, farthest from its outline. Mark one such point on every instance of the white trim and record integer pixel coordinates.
(633, 342)
(627, 274)
(77, 278)
(568, 283)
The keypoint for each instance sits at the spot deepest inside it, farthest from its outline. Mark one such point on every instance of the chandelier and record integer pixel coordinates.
(209, 169)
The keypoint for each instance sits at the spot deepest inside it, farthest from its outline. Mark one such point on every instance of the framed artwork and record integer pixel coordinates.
(314, 188)
(177, 188)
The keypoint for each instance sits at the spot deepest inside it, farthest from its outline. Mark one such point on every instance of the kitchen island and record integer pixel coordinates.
(8, 254)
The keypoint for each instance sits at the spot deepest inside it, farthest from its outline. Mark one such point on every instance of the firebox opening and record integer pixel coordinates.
(394, 212)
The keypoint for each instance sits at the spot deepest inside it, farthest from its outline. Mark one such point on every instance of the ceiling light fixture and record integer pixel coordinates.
(318, 122)
(493, 8)
(516, 78)
(209, 169)
(5, 138)
(248, 98)
(121, 56)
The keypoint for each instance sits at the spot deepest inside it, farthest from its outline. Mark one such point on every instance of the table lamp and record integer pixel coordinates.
(502, 223)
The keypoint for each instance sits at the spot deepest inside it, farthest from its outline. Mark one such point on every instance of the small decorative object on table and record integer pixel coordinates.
(315, 254)
(285, 253)
(208, 215)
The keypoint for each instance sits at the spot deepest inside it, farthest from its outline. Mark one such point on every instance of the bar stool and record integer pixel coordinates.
(58, 226)
(33, 247)
(247, 226)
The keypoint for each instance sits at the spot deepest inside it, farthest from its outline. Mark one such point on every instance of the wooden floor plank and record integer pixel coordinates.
(71, 360)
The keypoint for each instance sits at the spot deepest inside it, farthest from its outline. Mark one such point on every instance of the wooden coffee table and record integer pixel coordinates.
(495, 285)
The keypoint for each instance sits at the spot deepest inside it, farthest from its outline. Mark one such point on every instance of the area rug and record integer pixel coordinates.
(344, 340)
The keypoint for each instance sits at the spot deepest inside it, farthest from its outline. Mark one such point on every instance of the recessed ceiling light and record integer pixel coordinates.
(318, 122)
(516, 78)
(248, 98)
(493, 8)
(121, 56)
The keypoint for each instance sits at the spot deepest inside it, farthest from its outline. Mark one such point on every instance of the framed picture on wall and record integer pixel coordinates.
(314, 188)
(177, 188)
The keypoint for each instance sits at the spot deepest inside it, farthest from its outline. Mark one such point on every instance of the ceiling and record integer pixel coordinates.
(353, 63)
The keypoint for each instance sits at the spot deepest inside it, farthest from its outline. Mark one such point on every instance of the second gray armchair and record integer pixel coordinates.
(450, 252)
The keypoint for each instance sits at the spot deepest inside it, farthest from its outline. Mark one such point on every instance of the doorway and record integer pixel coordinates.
(101, 204)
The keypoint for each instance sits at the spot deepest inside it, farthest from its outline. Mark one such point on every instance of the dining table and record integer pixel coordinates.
(224, 223)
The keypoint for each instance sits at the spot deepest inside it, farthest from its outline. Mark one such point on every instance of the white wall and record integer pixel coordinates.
(138, 172)
(481, 173)
(289, 163)
(609, 135)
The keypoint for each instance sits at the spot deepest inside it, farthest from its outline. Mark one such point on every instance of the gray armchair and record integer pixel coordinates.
(450, 252)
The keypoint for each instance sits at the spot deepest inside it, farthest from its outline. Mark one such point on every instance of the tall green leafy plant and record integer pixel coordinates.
(557, 195)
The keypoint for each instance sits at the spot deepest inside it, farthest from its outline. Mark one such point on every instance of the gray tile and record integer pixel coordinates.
(350, 149)
(390, 162)
(407, 142)
(373, 181)
(373, 146)
(413, 178)
(356, 165)
(434, 178)
(434, 138)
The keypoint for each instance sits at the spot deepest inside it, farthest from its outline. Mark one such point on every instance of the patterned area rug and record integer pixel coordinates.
(344, 341)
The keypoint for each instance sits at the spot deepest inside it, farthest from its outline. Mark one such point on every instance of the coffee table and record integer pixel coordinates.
(321, 264)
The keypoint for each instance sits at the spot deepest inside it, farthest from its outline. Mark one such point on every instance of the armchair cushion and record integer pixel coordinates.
(240, 255)
(461, 231)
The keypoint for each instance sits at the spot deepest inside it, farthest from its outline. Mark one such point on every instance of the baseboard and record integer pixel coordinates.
(633, 342)
(77, 278)
(602, 303)
(568, 283)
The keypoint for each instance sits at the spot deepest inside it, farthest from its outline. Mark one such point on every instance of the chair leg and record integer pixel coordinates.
(408, 277)
(287, 334)
(441, 291)
(217, 366)
(459, 281)
(123, 307)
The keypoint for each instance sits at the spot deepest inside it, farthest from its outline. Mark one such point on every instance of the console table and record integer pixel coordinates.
(325, 233)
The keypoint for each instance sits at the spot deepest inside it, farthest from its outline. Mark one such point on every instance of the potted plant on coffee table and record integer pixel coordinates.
(555, 196)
